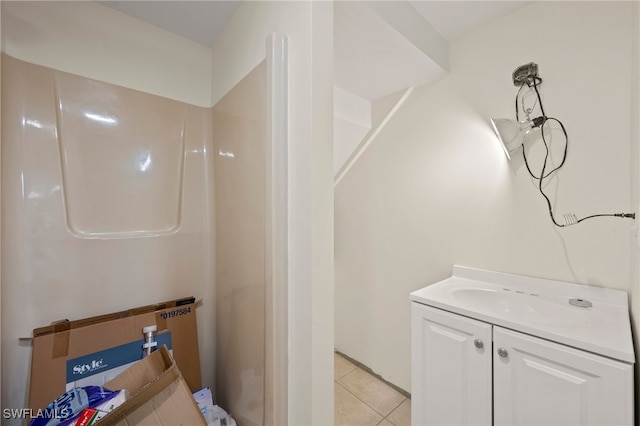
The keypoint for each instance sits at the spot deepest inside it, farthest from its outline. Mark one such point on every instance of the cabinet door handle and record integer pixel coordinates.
(478, 343)
(503, 352)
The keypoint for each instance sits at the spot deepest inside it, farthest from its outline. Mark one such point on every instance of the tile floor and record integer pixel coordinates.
(362, 399)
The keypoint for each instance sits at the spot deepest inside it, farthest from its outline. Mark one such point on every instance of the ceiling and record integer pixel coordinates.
(454, 18)
(373, 56)
(202, 21)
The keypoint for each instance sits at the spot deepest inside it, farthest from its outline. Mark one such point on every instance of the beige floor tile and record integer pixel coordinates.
(385, 422)
(401, 416)
(342, 366)
(376, 394)
(350, 411)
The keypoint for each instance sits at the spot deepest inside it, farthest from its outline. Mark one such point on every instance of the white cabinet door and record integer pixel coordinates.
(451, 368)
(537, 382)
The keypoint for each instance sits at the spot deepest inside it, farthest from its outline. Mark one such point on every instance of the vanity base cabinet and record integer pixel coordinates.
(451, 369)
(537, 382)
(470, 372)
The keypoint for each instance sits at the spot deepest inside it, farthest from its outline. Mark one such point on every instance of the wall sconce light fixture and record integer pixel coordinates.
(512, 133)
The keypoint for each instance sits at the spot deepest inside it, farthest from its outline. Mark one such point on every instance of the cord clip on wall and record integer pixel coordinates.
(512, 133)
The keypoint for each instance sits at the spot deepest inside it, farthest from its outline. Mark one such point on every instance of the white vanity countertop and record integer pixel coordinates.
(538, 307)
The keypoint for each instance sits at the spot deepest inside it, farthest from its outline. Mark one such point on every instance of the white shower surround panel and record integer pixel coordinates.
(50, 272)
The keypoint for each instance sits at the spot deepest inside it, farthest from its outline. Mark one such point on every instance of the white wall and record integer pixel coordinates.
(351, 123)
(241, 46)
(435, 189)
(96, 41)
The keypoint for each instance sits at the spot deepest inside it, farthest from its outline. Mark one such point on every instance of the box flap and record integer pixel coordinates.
(159, 395)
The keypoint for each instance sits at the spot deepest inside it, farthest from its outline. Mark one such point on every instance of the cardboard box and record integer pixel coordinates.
(159, 395)
(61, 350)
(97, 368)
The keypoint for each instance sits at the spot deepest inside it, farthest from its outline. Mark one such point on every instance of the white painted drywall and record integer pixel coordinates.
(382, 110)
(402, 16)
(384, 47)
(239, 48)
(98, 42)
(435, 189)
(351, 107)
(352, 121)
(347, 136)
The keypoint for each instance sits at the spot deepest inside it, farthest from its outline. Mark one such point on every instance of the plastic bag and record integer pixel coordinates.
(70, 404)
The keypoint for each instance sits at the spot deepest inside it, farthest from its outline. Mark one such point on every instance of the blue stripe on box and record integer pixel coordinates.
(98, 362)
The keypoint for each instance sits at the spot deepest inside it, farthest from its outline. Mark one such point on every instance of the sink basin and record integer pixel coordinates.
(538, 307)
(525, 306)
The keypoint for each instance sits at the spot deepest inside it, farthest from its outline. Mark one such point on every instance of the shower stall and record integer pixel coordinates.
(114, 198)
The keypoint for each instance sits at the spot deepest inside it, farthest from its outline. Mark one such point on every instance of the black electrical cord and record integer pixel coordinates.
(564, 155)
(534, 81)
(570, 219)
(542, 177)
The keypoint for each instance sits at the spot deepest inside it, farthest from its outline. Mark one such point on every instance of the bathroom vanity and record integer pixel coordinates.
(495, 348)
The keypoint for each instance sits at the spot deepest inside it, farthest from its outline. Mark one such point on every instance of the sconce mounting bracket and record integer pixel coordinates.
(525, 74)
